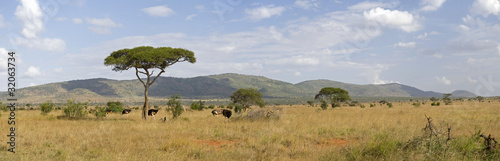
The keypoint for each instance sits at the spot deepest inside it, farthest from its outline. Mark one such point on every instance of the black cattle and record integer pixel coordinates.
(152, 112)
(227, 113)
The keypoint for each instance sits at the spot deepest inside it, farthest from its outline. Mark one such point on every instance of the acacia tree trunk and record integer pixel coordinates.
(145, 108)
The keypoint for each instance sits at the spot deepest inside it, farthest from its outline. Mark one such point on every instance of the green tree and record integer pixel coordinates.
(115, 106)
(446, 98)
(480, 98)
(175, 105)
(47, 107)
(100, 112)
(247, 97)
(144, 60)
(334, 95)
(433, 99)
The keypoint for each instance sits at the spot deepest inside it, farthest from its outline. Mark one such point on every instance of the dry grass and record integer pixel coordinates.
(301, 133)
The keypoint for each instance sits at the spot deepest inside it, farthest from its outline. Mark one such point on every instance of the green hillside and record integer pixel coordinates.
(209, 87)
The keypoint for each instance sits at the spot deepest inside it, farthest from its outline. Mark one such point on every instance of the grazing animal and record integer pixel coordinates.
(216, 112)
(126, 111)
(152, 112)
(227, 113)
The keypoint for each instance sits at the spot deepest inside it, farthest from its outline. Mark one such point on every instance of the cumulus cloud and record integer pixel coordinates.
(394, 19)
(33, 72)
(264, 12)
(3, 59)
(30, 14)
(412, 44)
(190, 17)
(486, 7)
(443, 80)
(158, 11)
(306, 4)
(425, 35)
(431, 5)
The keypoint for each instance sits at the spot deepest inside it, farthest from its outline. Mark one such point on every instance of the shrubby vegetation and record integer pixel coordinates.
(74, 110)
(115, 106)
(175, 106)
(47, 107)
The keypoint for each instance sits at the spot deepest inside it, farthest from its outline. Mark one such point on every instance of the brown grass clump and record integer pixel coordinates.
(300, 133)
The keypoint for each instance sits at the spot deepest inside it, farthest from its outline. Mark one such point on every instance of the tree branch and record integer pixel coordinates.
(137, 74)
(162, 71)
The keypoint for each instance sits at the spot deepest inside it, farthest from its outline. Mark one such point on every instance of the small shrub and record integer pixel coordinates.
(324, 106)
(47, 107)
(238, 108)
(221, 106)
(211, 107)
(100, 112)
(362, 106)
(175, 106)
(416, 104)
(74, 110)
(390, 105)
(373, 105)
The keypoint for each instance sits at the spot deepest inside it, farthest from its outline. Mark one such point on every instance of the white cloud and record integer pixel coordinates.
(412, 44)
(471, 80)
(58, 70)
(61, 19)
(431, 5)
(77, 20)
(367, 5)
(296, 60)
(30, 14)
(1, 21)
(200, 8)
(443, 80)
(190, 17)
(306, 4)
(104, 22)
(158, 11)
(486, 7)
(49, 44)
(33, 72)
(264, 12)
(395, 19)
(474, 45)
(425, 35)
(3, 59)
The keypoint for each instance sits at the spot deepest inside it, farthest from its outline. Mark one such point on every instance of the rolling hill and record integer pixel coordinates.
(211, 87)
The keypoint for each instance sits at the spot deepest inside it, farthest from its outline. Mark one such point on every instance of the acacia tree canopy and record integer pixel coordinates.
(246, 97)
(146, 58)
(334, 95)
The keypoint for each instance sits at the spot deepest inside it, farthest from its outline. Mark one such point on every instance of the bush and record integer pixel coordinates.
(175, 106)
(47, 107)
(221, 106)
(416, 104)
(390, 105)
(230, 106)
(74, 110)
(100, 112)
(324, 106)
(373, 105)
(200, 105)
(211, 107)
(3, 107)
(116, 106)
(362, 106)
(238, 108)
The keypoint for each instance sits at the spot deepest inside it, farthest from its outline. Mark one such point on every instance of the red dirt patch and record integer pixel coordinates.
(216, 143)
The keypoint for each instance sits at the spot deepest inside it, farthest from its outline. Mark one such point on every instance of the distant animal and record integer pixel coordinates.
(152, 112)
(227, 113)
(126, 111)
(108, 111)
(216, 112)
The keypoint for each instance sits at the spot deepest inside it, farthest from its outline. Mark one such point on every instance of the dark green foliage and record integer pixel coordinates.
(373, 105)
(480, 98)
(74, 110)
(47, 107)
(211, 106)
(175, 106)
(247, 97)
(238, 108)
(200, 105)
(334, 95)
(389, 105)
(416, 104)
(362, 106)
(230, 106)
(115, 106)
(3, 107)
(324, 105)
(433, 99)
(221, 106)
(311, 103)
(100, 112)
(447, 99)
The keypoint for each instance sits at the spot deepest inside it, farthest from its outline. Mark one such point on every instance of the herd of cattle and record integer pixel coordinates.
(152, 112)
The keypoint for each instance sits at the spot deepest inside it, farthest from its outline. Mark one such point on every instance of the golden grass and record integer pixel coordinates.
(301, 133)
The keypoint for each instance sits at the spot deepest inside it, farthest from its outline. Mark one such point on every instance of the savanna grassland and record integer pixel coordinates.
(300, 133)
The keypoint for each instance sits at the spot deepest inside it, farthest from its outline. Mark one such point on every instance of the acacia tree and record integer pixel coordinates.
(144, 60)
(334, 95)
(246, 97)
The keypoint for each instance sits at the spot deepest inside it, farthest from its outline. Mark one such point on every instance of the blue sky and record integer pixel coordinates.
(437, 45)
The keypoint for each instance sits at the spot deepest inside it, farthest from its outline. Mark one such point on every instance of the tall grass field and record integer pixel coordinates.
(297, 132)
